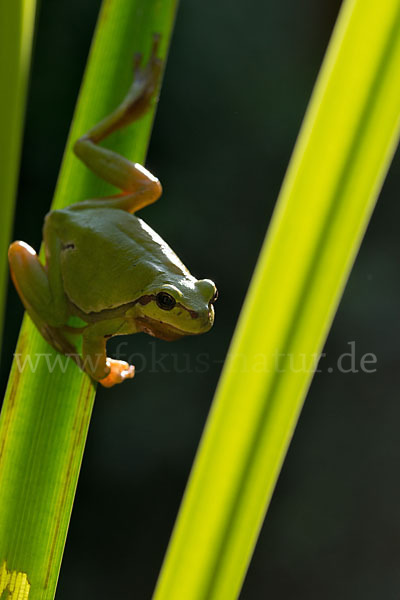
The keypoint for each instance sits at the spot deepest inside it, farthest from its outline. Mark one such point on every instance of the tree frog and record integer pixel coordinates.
(106, 271)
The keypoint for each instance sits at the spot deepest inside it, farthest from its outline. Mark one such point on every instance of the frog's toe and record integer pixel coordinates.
(156, 44)
(138, 56)
(119, 371)
(137, 61)
(147, 74)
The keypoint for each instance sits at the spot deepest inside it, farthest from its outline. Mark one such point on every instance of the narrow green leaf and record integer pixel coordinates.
(46, 412)
(17, 20)
(340, 160)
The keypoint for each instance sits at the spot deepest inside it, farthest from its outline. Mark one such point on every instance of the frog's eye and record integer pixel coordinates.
(165, 301)
(215, 296)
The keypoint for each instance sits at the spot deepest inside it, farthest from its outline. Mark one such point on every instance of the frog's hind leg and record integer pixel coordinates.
(139, 187)
(31, 282)
(30, 279)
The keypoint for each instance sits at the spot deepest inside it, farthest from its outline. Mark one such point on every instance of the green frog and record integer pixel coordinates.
(105, 268)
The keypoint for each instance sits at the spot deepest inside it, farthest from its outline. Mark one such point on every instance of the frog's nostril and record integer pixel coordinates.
(207, 289)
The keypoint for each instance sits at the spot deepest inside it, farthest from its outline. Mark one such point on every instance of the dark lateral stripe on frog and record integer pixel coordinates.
(124, 307)
(152, 297)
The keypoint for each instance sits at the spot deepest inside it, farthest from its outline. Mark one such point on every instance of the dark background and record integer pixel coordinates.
(237, 83)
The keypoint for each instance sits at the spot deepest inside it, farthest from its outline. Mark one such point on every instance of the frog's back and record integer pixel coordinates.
(110, 257)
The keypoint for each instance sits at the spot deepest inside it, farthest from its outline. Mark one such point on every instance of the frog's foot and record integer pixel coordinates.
(135, 104)
(119, 371)
(145, 80)
(137, 59)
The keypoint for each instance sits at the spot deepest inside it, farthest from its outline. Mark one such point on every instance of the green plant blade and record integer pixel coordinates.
(341, 157)
(46, 412)
(17, 20)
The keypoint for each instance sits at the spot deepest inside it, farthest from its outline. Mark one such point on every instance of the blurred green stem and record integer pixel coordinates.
(17, 20)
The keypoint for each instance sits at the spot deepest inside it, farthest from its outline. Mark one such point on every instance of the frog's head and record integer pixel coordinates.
(171, 311)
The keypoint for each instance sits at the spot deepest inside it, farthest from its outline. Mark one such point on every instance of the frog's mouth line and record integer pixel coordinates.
(163, 331)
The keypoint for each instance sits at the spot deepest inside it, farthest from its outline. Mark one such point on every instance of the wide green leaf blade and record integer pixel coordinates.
(48, 403)
(341, 157)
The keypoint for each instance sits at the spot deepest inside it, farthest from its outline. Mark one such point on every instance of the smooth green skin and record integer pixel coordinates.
(106, 266)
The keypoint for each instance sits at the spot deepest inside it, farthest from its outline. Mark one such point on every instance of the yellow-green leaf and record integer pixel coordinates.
(341, 157)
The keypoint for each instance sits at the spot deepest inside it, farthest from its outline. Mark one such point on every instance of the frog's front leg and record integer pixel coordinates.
(107, 371)
(139, 187)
